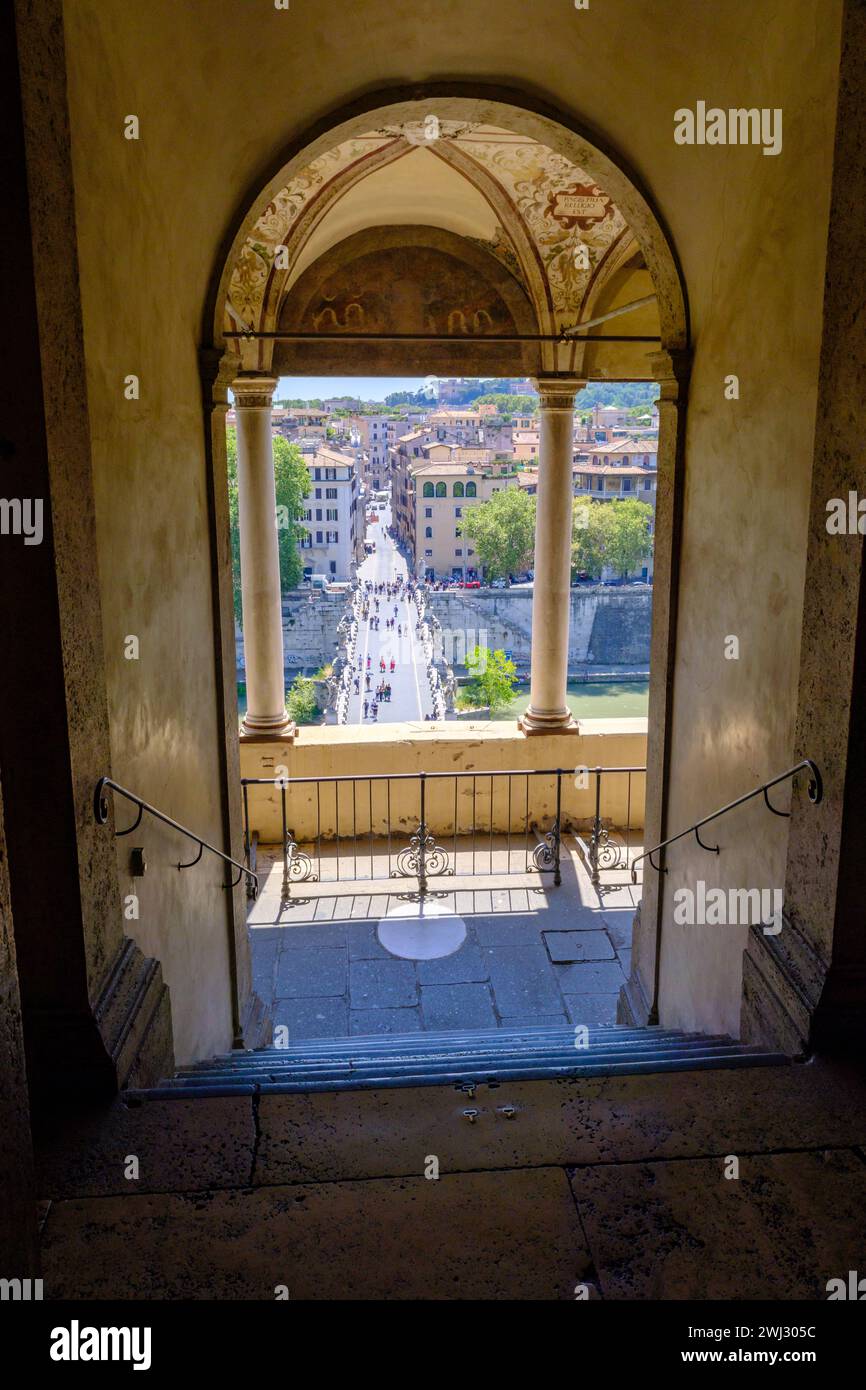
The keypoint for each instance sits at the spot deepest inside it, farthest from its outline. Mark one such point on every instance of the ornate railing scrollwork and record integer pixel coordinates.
(422, 857)
(607, 849)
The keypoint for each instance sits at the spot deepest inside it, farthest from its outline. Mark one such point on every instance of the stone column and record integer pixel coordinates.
(260, 558)
(548, 711)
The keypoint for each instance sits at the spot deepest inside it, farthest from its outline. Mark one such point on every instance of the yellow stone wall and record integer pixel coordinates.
(482, 748)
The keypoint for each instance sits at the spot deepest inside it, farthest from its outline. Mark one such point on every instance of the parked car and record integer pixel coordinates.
(472, 584)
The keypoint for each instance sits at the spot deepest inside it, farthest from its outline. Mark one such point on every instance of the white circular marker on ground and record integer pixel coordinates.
(421, 931)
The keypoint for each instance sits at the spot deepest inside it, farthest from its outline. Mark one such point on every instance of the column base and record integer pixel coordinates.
(560, 722)
(282, 731)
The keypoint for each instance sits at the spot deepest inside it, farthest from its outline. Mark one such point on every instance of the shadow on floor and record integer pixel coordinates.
(533, 954)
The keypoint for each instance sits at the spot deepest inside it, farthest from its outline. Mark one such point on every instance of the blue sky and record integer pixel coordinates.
(368, 388)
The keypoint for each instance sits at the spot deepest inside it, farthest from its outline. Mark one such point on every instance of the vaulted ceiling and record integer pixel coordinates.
(523, 213)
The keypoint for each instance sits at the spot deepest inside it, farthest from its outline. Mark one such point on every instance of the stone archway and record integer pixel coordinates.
(535, 185)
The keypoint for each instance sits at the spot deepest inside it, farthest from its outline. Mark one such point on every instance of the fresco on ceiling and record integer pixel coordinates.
(401, 290)
(572, 222)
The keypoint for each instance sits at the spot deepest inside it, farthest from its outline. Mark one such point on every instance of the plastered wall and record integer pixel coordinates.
(220, 86)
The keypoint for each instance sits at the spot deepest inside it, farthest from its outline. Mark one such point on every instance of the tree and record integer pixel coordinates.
(301, 701)
(614, 534)
(292, 484)
(589, 536)
(619, 393)
(629, 542)
(493, 678)
(508, 405)
(503, 531)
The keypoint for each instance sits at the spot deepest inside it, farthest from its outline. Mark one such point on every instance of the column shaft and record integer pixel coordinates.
(551, 599)
(261, 598)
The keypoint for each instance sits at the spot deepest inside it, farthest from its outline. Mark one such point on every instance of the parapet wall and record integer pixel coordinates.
(341, 751)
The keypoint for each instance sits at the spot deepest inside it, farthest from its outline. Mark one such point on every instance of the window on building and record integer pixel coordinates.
(457, 532)
(428, 511)
(330, 475)
(318, 538)
(428, 490)
(458, 511)
(317, 474)
(471, 490)
(331, 494)
(428, 554)
(458, 551)
(441, 490)
(428, 533)
(318, 493)
(457, 490)
(332, 514)
(626, 485)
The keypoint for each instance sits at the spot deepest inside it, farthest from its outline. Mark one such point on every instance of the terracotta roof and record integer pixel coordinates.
(624, 446)
(346, 460)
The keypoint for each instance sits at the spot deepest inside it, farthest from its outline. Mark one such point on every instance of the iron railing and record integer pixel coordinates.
(425, 826)
(815, 791)
(100, 811)
(607, 849)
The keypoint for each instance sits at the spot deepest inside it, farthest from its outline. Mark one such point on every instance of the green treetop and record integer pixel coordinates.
(614, 533)
(493, 678)
(502, 531)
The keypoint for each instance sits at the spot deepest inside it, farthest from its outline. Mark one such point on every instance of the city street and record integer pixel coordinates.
(410, 691)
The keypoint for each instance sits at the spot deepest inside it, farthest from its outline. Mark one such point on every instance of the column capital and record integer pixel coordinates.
(253, 390)
(557, 391)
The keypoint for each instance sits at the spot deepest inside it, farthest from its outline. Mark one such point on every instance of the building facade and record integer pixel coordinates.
(333, 518)
(443, 492)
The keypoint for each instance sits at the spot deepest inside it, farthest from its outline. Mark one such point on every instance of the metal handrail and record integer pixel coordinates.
(409, 776)
(815, 790)
(423, 857)
(100, 811)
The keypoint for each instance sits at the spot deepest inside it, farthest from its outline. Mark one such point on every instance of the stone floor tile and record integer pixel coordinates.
(591, 977)
(680, 1230)
(382, 984)
(461, 967)
(398, 1238)
(523, 979)
(315, 935)
(508, 930)
(326, 1017)
(369, 1021)
(311, 971)
(364, 944)
(591, 1010)
(567, 946)
(201, 1144)
(457, 1006)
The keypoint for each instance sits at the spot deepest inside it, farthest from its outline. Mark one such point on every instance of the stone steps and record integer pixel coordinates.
(459, 1058)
